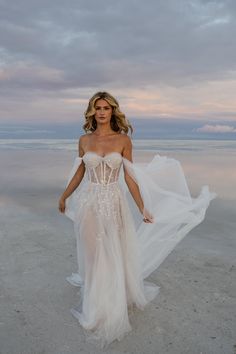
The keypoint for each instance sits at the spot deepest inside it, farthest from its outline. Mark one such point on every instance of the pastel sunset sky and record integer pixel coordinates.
(163, 60)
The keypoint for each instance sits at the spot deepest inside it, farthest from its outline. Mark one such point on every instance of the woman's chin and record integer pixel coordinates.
(103, 121)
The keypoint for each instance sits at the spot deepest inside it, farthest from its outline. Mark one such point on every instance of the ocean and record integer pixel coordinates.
(152, 145)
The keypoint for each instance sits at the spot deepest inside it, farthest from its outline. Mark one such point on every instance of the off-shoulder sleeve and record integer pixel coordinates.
(166, 196)
(71, 200)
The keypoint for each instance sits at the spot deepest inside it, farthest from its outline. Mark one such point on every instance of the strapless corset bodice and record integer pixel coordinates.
(102, 169)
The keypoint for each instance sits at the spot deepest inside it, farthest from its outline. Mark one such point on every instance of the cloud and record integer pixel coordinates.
(218, 128)
(164, 42)
(170, 49)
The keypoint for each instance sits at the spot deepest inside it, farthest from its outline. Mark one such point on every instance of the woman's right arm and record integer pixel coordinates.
(75, 181)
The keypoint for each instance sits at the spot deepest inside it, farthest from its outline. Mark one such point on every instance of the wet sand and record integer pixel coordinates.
(195, 310)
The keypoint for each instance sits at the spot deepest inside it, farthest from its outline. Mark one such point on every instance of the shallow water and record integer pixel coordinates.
(209, 146)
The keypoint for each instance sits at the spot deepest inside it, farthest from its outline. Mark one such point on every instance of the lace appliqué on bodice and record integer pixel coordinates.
(102, 169)
(103, 173)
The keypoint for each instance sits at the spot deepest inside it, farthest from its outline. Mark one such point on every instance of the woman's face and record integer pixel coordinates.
(103, 111)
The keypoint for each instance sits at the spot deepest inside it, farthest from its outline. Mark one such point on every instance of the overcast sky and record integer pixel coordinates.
(160, 58)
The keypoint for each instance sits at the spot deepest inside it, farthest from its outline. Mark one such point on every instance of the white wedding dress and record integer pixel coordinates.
(116, 250)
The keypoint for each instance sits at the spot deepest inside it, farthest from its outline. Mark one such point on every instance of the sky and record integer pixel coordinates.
(171, 64)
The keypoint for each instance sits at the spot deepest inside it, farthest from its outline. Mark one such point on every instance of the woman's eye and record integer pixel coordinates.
(106, 108)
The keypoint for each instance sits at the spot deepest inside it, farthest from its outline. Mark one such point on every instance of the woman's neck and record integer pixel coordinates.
(103, 130)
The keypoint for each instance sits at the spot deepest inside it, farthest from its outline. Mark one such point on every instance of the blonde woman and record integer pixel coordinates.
(117, 251)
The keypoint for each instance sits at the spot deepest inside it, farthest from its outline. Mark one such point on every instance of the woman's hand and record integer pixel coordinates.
(147, 217)
(62, 205)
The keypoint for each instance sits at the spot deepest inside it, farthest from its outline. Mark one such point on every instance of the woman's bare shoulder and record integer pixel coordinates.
(84, 137)
(83, 141)
(126, 140)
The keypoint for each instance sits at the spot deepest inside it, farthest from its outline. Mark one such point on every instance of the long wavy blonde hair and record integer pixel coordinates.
(119, 122)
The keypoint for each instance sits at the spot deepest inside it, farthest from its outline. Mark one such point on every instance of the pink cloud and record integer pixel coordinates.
(218, 128)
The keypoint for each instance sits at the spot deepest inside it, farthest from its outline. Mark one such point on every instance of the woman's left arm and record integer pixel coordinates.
(132, 185)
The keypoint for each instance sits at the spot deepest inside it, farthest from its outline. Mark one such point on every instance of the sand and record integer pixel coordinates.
(195, 310)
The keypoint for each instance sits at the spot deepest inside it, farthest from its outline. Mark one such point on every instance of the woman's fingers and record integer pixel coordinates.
(147, 220)
(61, 206)
(147, 215)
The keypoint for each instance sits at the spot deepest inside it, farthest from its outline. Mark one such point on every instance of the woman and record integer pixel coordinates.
(116, 250)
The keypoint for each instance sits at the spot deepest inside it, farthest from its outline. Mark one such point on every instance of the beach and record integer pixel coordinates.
(194, 312)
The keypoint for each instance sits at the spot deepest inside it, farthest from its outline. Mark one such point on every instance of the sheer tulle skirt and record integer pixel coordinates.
(110, 274)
